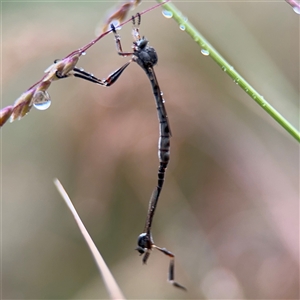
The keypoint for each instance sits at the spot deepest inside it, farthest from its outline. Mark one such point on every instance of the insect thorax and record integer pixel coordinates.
(145, 55)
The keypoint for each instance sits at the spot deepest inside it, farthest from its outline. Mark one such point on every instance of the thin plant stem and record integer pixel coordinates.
(207, 49)
(110, 283)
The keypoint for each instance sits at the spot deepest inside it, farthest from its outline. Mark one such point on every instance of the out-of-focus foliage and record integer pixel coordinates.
(229, 208)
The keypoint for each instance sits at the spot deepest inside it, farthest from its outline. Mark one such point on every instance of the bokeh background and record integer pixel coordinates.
(229, 209)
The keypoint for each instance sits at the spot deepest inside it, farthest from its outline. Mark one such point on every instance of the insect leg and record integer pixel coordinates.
(118, 43)
(171, 276)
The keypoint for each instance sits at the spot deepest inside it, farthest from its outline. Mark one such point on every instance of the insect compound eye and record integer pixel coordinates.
(142, 43)
(143, 242)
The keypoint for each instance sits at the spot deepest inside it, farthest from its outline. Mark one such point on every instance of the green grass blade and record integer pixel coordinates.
(208, 49)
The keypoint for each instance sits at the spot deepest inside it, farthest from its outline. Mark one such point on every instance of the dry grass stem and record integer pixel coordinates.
(110, 283)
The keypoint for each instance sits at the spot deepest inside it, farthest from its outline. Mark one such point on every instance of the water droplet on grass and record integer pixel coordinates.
(296, 9)
(41, 100)
(167, 14)
(205, 52)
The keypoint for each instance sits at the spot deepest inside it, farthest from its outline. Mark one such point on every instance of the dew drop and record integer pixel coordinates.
(224, 69)
(42, 105)
(185, 19)
(167, 14)
(41, 100)
(205, 52)
(182, 27)
(83, 53)
(296, 9)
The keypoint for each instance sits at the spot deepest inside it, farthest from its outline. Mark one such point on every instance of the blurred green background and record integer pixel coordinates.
(229, 209)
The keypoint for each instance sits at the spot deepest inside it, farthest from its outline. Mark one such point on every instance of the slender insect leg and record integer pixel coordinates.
(135, 29)
(59, 76)
(112, 78)
(87, 78)
(118, 43)
(80, 73)
(171, 276)
(138, 16)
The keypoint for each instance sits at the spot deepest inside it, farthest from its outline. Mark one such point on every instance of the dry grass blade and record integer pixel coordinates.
(110, 283)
